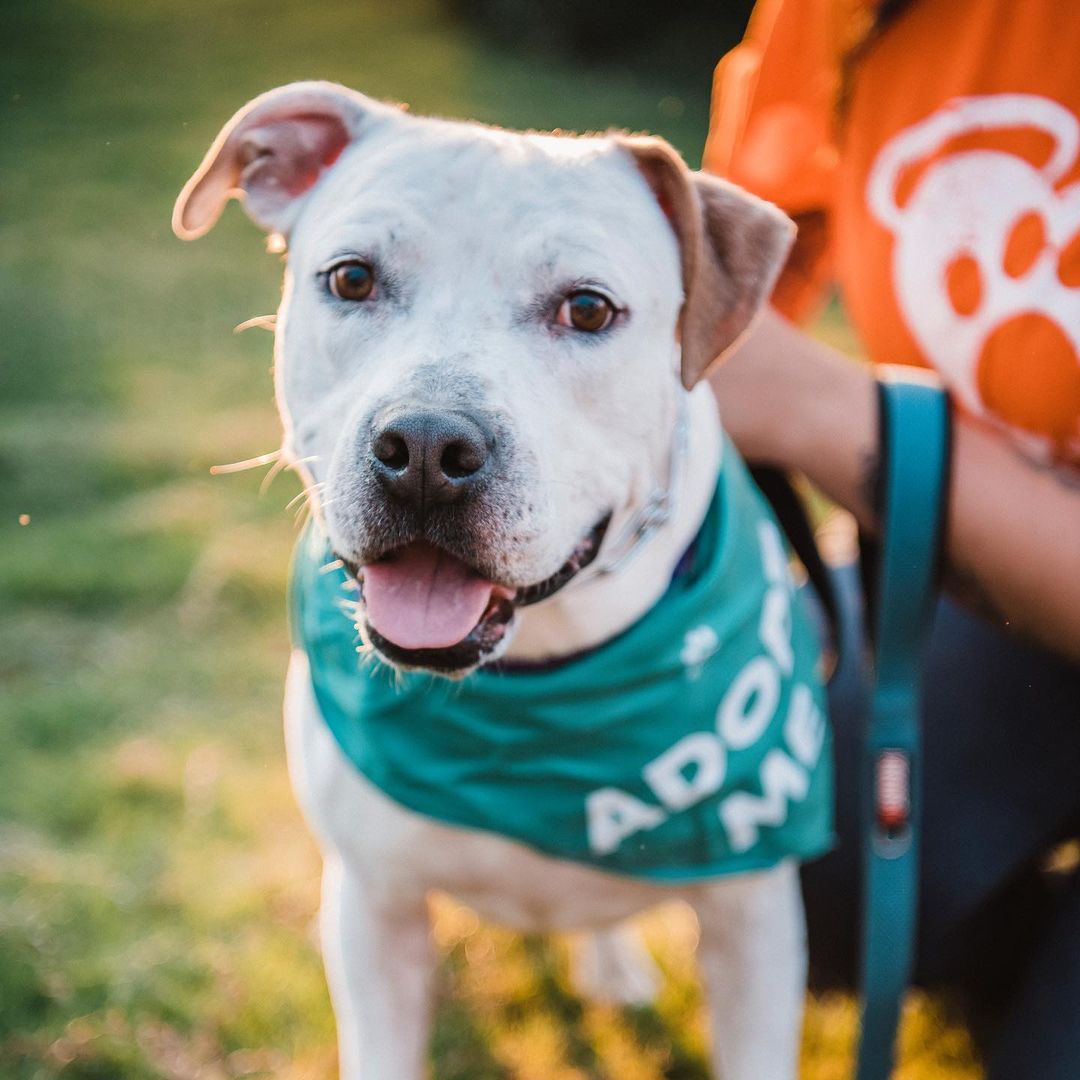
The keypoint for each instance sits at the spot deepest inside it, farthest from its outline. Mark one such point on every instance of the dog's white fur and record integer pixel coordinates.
(475, 231)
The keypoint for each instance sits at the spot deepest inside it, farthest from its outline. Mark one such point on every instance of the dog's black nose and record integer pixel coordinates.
(428, 458)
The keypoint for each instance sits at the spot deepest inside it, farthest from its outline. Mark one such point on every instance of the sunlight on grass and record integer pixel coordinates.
(158, 889)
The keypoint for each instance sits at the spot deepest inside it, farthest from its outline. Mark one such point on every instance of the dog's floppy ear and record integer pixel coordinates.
(732, 244)
(271, 153)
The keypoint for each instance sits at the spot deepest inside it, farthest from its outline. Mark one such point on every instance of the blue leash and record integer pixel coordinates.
(915, 437)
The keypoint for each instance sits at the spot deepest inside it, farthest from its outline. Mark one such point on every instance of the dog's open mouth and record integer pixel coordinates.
(427, 608)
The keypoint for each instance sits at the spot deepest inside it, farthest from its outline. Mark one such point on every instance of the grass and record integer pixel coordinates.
(157, 888)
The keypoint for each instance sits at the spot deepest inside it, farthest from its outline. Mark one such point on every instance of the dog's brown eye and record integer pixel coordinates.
(586, 310)
(352, 281)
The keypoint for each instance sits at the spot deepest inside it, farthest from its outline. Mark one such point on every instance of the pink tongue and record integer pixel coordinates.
(424, 598)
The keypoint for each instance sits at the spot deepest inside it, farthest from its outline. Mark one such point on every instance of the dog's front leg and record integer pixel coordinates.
(379, 966)
(753, 959)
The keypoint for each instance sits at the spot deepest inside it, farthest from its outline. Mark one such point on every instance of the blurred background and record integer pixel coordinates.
(158, 890)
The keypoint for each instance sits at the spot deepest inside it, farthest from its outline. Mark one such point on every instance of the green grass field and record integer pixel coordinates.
(157, 888)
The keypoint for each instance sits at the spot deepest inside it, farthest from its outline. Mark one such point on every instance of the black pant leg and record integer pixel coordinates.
(1001, 730)
(1038, 1035)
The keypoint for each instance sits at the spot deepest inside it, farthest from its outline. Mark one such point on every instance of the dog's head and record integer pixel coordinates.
(481, 342)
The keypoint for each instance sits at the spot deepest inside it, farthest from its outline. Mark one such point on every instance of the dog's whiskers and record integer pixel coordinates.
(305, 494)
(263, 322)
(304, 501)
(268, 479)
(248, 463)
(281, 465)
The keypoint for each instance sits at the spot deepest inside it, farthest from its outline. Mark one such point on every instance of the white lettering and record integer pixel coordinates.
(666, 775)
(804, 728)
(773, 559)
(742, 813)
(613, 814)
(749, 704)
(775, 627)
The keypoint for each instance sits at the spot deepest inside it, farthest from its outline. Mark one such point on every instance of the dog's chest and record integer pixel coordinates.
(511, 885)
(405, 855)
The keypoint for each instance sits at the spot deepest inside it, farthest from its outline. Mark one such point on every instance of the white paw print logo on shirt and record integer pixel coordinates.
(986, 262)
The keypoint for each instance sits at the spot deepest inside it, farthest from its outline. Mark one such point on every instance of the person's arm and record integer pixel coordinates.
(1013, 544)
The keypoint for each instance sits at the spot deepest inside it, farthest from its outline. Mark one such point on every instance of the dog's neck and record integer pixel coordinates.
(591, 611)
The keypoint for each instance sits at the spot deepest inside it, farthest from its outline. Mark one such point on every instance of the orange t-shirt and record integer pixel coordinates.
(944, 198)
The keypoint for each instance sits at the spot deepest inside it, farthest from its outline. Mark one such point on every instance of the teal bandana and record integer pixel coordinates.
(692, 745)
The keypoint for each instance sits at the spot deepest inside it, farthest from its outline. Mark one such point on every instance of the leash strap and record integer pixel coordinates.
(915, 452)
(778, 489)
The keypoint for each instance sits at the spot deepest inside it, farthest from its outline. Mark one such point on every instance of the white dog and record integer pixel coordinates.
(486, 357)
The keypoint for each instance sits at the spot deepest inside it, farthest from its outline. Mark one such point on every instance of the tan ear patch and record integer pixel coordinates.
(732, 247)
